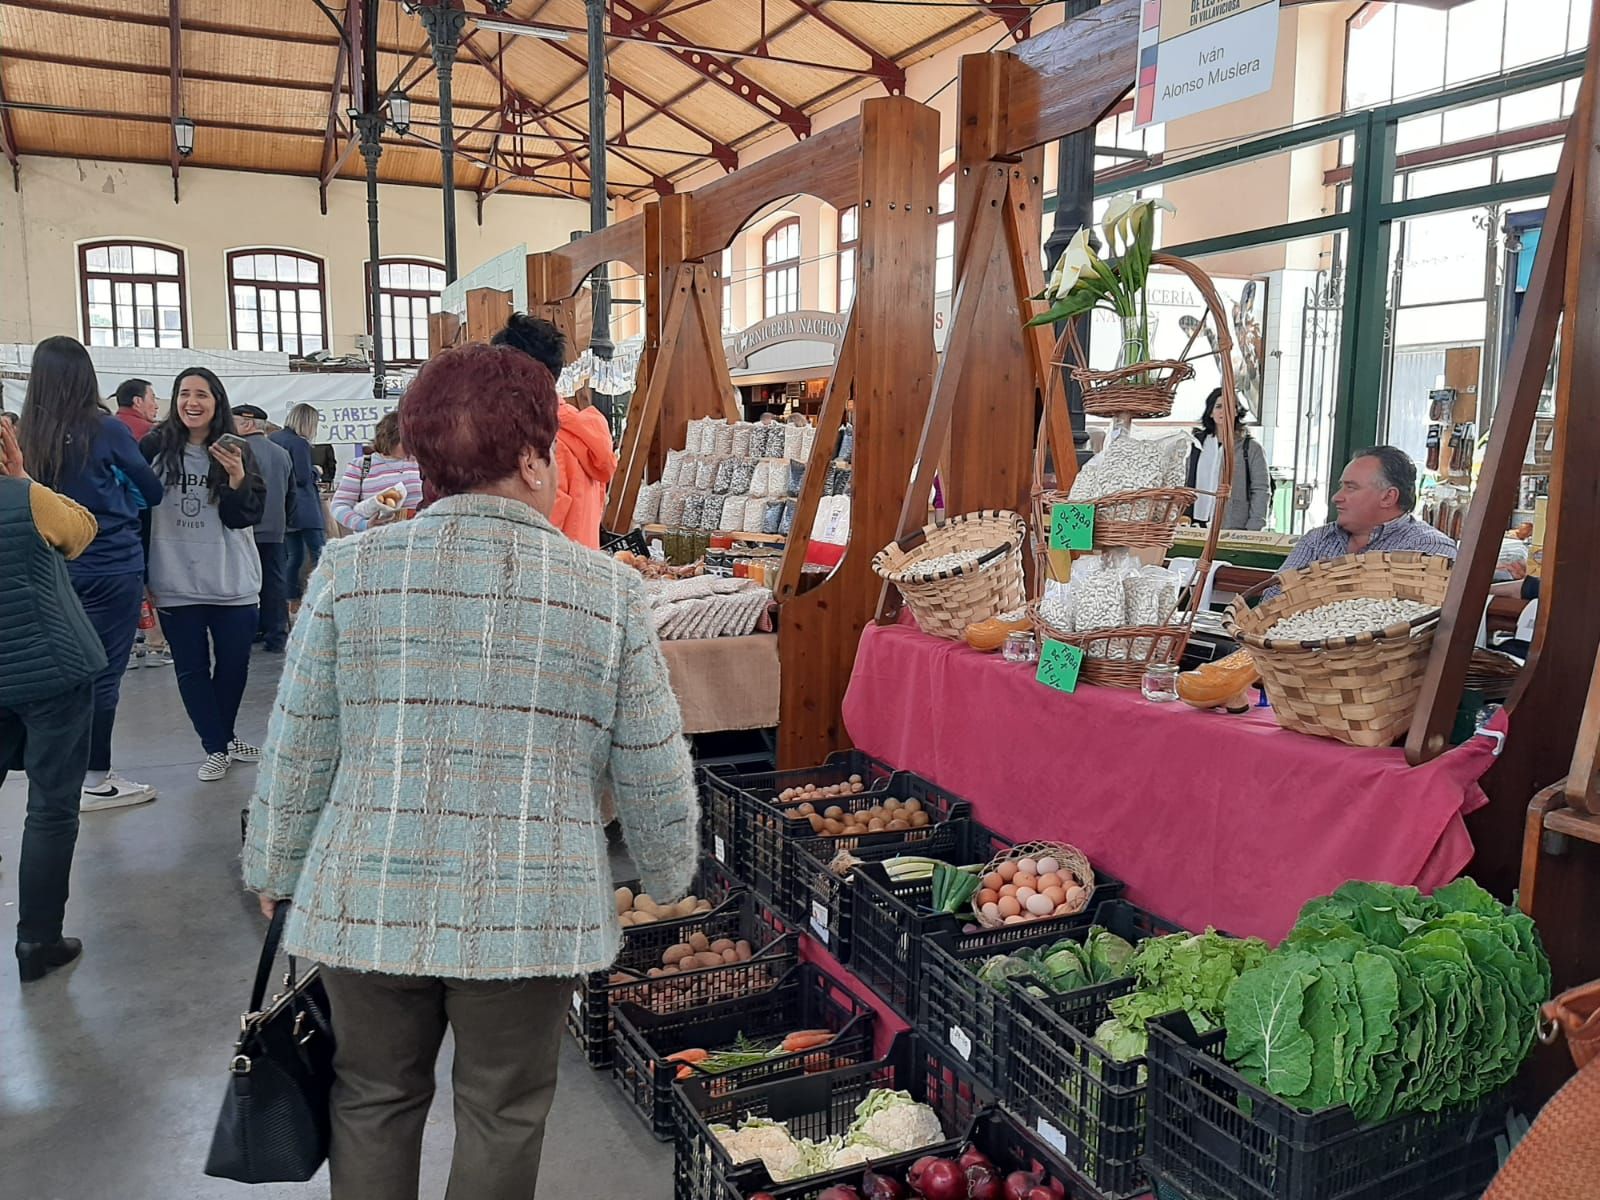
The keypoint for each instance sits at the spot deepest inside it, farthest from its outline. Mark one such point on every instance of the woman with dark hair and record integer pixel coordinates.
(307, 533)
(73, 446)
(456, 690)
(1250, 495)
(205, 574)
(380, 485)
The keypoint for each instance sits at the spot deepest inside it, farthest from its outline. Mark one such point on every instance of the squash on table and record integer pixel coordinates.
(988, 636)
(1225, 683)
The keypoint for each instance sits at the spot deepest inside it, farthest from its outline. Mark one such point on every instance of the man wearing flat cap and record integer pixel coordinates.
(277, 469)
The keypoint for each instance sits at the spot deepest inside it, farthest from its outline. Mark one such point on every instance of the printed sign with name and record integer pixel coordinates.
(1059, 665)
(1072, 527)
(1196, 55)
(349, 422)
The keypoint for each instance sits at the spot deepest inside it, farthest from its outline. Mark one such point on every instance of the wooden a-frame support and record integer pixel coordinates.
(994, 373)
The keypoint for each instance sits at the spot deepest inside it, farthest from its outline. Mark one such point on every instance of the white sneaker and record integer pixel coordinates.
(214, 768)
(243, 751)
(135, 660)
(156, 658)
(115, 792)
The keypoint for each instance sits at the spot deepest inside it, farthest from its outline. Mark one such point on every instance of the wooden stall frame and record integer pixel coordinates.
(981, 424)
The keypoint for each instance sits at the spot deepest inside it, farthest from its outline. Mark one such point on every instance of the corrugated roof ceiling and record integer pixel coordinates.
(92, 78)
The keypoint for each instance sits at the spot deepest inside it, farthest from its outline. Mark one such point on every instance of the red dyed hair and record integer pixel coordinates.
(472, 411)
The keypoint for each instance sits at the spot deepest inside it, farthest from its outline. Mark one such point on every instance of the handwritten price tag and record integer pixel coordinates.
(1072, 527)
(1059, 665)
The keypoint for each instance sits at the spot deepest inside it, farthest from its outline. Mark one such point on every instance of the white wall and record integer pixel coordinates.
(67, 201)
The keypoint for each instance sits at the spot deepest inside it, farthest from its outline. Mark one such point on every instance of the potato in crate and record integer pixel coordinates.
(809, 1022)
(971, 986)
(721, 784)
(646, 932)
(823, 1129)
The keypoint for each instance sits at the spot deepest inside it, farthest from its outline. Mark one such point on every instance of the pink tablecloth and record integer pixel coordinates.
(1210, 818)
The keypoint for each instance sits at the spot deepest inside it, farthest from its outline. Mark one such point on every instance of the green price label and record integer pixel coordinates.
(1072, 527)
(1059, 665)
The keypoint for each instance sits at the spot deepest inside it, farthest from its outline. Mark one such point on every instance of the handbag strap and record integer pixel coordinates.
(269, 955)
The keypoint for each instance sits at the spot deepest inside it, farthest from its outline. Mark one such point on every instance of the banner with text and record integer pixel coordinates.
(1196, 55)
(349, 422)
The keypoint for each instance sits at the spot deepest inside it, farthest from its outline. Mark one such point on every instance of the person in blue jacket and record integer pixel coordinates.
(73, 446)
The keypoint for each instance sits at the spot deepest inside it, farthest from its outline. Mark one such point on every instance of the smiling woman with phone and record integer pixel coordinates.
(205, 575)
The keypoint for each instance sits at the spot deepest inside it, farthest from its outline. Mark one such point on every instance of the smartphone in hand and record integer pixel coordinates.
(232, 441)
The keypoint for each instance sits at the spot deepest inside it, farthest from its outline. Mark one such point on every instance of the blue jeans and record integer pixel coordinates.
(274, 622)
(211, 695)
(48, 739)
(111, 602)
(302, 544)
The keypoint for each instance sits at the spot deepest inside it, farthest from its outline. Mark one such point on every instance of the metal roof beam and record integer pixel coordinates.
(8, 139)
(64, 8)
(889, 72)
(629, 19)
(175, 74)
(332, 161)
(1018, 18)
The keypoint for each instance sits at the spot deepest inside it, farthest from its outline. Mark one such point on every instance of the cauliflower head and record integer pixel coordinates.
(768, 1141)
(892, 1121)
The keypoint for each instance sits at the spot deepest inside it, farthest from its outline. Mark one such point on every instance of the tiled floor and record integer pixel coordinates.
(111, 1071)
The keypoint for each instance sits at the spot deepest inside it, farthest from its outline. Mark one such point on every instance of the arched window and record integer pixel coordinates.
(849, 240)
(944, 262)
(133, 294)
(408, 290)
(279, 301)
(780, 269)
(727, 290)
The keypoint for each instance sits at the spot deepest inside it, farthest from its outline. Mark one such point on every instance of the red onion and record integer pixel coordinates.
(1057, 1188)
(942, 1179)
(881, 1187)
(1019, 1184)
(914, 1176)
(1040, 1193)
(841, 1191)
(984, 1183)
(971, 1156)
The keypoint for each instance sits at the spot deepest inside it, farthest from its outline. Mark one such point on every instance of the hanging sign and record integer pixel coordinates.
(1072, 527)
(1196, 55)
(349, 422)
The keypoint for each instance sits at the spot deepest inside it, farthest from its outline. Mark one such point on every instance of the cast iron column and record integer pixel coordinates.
(369, 126)
(600, 281)
(444, 23)
(1074, 211)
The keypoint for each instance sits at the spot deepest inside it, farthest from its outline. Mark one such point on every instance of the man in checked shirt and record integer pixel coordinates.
(1374, 500)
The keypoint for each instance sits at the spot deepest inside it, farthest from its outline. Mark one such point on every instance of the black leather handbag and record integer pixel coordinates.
(274, 1122)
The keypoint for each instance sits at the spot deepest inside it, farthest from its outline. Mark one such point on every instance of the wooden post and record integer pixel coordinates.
(893, 315)
(444, 331)
(488, 310)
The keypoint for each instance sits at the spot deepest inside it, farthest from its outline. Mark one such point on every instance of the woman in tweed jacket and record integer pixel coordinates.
(456, 688)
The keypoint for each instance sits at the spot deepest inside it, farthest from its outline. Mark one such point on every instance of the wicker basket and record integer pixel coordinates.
(1139, 390)
(1072, 860)
(946, 603)
(1361, 689)
(1137, 520)
(1117, 657)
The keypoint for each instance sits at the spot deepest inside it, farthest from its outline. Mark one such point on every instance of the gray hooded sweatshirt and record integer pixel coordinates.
(194, 557)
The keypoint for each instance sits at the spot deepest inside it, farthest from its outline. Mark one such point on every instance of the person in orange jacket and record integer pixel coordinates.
(585, 460)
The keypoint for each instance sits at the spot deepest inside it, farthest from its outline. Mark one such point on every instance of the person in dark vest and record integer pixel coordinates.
(49, 658)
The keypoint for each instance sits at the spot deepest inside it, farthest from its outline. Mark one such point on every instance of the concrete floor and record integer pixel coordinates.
(112, 1070)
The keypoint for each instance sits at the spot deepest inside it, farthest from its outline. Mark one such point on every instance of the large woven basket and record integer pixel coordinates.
(944, 604)
(1138, 520)
(1117, 657)
(1140, 390)
(1360, 689)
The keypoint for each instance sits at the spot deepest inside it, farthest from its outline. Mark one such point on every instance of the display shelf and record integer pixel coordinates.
(764, 539)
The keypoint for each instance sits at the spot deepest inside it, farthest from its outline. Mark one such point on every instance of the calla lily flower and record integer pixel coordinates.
(1075, 260)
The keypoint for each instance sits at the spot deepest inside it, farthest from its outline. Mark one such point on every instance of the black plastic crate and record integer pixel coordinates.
(892, 922)
(957, 1010)
(740, 916)
(823, 902)
(1214, 1135)
(817, 1107)
(721, 784)
(768, 836)
(805, 999)
(1007, 1145)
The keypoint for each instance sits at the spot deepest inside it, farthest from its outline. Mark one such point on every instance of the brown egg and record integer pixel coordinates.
(899, 823)
(918, 820)
(1009, 906)
(876, 825)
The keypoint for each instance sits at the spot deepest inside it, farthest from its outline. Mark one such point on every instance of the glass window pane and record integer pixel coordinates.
(418, 276)
(124, 293)
(308, 270)
(1524, 164)
(289, 322)
(1417, 133)
(125, 336)
(100, 316)
(166, 262)
(1369, 63)
(1531, 108)
(419, 331)
(1475, 120)
(246, 320)
(435, 279)
(383, 276)
(244, 296)
(167, 293)
(144, 293)
(1473, 46)
(850, 224)
(1435, 181)
(269, 320)
(122, 259)
(144, 260)
(1577, 26)
(248, 341)
(947, 195)
(310, 300)
(385, 305)
(99, 259)
(1419, 33)
(145, 318)
(288, 268)
(1443, 258)
(100, 291)
(1535, 30)
(172, 318)
(171, 341)
(100, 337)
(270, 343)
(125, 316)
(244, 266)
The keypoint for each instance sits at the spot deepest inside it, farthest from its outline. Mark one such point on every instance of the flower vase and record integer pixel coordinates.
(1135, 346)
